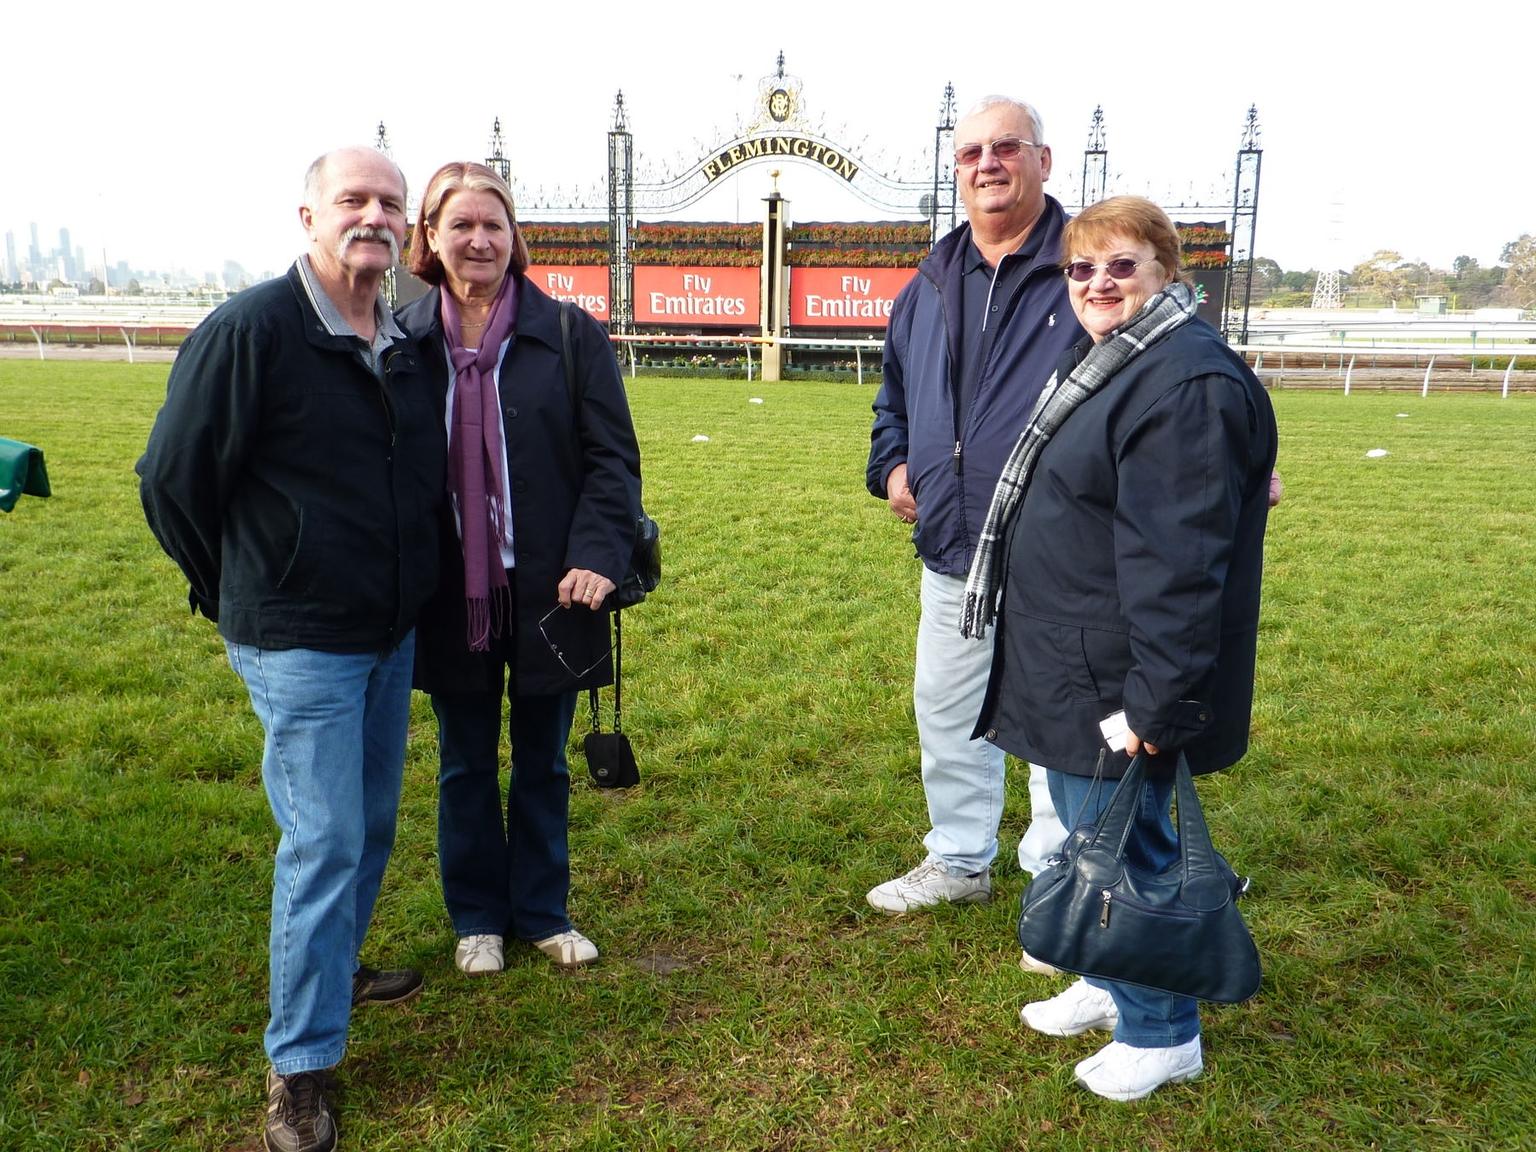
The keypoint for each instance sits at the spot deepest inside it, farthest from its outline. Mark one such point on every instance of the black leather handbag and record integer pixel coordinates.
(1177, 931)
(644, 573)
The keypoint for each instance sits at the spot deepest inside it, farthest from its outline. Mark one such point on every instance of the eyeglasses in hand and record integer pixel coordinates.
(559, 653)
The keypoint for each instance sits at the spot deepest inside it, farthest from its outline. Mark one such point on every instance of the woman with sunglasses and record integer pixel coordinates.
(1121, 562)
(544, 488)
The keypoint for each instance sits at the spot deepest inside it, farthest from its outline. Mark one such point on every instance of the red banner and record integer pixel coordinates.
(697, 297)
(844, 297)
(585, 285)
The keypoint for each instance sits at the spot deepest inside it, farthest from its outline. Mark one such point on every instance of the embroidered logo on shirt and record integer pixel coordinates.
(1051, 323)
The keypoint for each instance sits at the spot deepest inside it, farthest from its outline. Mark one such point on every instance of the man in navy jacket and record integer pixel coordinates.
(295, 475)
(971, 342)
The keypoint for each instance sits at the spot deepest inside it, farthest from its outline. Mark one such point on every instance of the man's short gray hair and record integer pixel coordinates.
(316, 170)
(987, 103)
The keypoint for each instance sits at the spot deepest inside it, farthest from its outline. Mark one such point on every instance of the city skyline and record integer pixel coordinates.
(72, 264)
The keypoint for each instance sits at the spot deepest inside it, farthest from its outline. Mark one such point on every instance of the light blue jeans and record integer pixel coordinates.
(332, 765)
(963, 778)
(1148, 1019)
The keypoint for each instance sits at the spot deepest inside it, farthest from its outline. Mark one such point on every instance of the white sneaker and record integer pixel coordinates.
(1030, 964)
(568, 949)
(479, 954)
(929, 884)
(1071, 1013)
(1120, 1072)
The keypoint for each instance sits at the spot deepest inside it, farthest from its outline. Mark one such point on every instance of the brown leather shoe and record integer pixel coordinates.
(298, 1115)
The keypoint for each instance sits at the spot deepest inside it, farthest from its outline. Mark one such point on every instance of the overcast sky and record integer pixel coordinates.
(172, 134)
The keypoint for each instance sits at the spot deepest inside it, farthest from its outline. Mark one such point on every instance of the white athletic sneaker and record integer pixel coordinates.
(568, 949)
(476, 955)
(1120, 1072)
(1071, 1013)
(929, 884)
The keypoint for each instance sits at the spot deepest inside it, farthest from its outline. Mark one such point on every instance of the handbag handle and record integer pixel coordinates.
(1201, 883)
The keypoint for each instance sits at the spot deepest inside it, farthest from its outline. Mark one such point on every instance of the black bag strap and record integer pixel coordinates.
(566, 358)
(574, 388)
(618, 681)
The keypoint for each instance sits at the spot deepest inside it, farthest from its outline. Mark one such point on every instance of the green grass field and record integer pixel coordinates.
(747, 997)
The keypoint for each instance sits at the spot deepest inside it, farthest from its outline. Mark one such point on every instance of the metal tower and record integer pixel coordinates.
(621, 219)
(1326, 292)
(941, 202)
(1095, 161)
(391, 285)
(496, 156)
(1245, 214)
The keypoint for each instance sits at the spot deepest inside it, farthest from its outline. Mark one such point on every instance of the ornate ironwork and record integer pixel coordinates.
(621, 221)
(1095, 161)
(941, 201)
(496, 156)
(1245, 215)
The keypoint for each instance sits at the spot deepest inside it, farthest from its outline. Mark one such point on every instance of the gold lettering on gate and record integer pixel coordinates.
(779, 144)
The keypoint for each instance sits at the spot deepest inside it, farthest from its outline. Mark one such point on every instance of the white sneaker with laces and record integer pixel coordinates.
(1071, 1013)
(568, 949)
(476, 955)
(928, 884)
(1121, 1072)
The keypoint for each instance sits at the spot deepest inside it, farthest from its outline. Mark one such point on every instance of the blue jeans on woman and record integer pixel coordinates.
(1148, 1019)
(512, 878)
(335, 724)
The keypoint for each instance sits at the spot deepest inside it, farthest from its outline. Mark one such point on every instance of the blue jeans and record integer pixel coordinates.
(512, 878)
(1148, 1019)
(963, 778)
(332, 764)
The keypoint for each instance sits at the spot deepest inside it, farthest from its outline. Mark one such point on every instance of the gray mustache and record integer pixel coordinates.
(363, 232)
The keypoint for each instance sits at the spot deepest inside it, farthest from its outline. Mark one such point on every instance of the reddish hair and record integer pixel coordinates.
(1129, 218)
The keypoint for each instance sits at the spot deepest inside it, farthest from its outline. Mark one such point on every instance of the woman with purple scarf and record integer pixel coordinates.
(544, 489)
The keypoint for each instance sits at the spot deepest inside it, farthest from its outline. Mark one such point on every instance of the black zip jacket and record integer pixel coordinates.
(297, 492)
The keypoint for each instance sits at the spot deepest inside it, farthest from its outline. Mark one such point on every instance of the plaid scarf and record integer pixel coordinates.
(1170, 308)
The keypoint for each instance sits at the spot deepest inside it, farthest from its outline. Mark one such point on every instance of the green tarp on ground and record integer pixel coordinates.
(21, 473)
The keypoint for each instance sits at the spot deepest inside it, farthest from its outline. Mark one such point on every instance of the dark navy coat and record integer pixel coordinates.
(574, 471)
(1134, 564)
(296, 489)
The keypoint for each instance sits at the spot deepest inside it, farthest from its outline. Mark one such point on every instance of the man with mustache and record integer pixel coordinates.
(294, 474)
(972, 340)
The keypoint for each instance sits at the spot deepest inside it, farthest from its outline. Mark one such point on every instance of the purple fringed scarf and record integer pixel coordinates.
(477, 461)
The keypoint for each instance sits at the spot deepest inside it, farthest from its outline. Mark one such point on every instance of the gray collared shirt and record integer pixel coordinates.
(385, 332)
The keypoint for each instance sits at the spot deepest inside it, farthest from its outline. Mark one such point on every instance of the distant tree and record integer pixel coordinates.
(134, 288)
(1266, 276)
(1462, 265)
(1381, 276)
(96, 287)
(1299, 281)
(1520, 277)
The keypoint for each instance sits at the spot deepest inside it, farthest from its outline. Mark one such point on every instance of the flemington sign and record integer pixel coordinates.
(783, 144)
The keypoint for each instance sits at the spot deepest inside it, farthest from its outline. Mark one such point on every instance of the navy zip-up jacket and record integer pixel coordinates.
(953, 470)
(296, 490)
